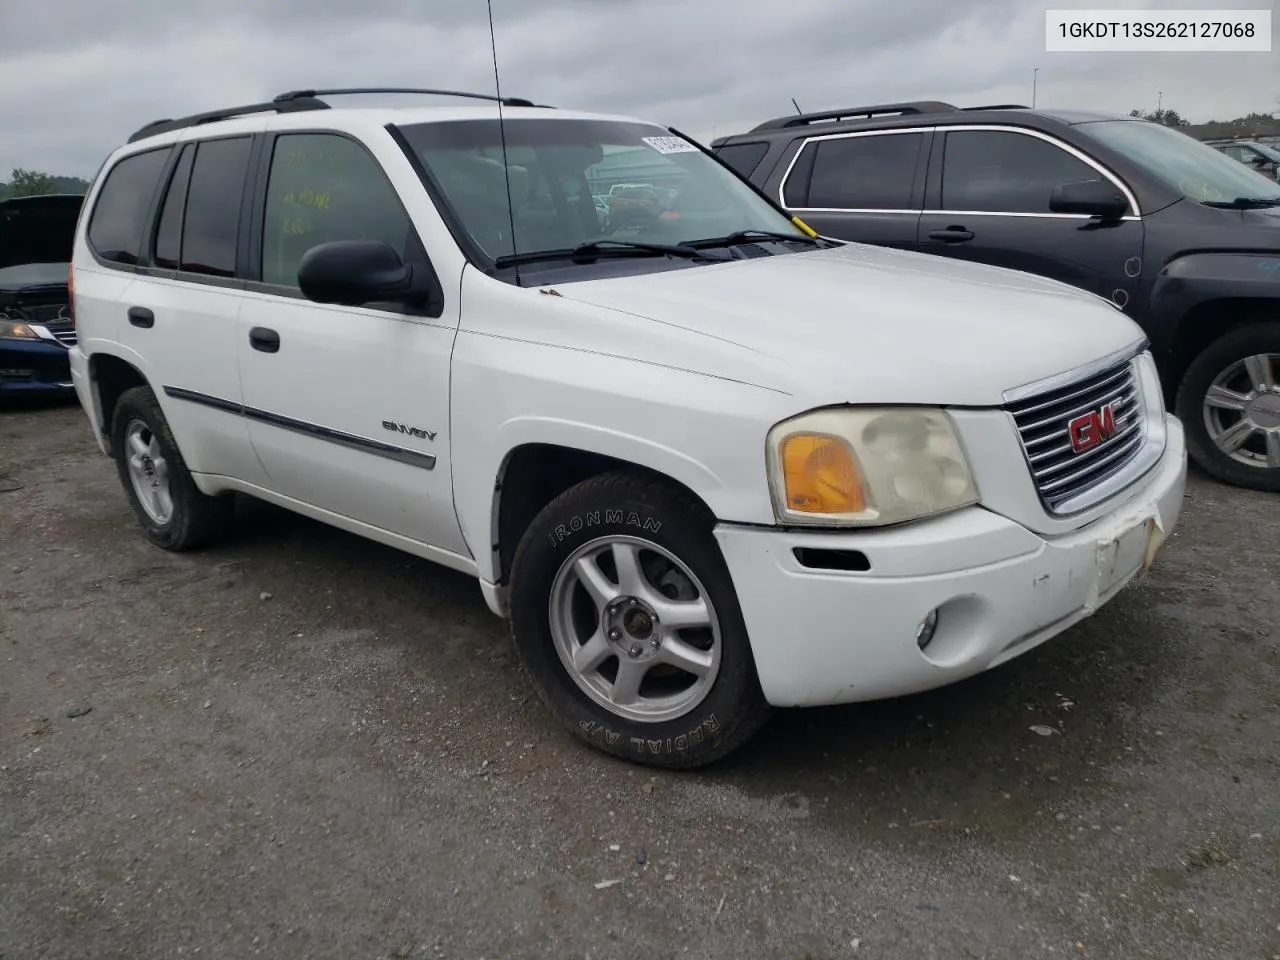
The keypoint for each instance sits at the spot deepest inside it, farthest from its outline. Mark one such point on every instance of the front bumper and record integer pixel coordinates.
(34, 367)
(823, 636)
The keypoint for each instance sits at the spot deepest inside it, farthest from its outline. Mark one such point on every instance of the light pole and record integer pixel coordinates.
(1035, 75)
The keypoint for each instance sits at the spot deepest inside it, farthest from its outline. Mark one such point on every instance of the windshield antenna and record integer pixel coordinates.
(797, 106)
(502, 133)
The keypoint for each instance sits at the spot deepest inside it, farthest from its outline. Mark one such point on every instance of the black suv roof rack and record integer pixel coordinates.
(298, 100)
(850, 113)
(914, 107)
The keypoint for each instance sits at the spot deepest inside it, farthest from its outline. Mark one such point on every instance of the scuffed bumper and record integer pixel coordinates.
(832, 636)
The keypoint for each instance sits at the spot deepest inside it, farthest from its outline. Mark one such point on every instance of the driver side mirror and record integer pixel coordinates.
(354, 273)
(1095, 198)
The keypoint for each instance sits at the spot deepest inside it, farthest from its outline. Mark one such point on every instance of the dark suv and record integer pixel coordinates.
(1177, 235)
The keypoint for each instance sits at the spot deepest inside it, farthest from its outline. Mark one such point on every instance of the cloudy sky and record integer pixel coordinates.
(77, 76)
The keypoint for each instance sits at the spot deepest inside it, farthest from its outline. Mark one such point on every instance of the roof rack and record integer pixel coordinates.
(999, 106)
(299, 100)
(804, 119)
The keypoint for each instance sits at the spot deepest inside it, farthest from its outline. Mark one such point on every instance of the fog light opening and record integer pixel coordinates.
(928, 626)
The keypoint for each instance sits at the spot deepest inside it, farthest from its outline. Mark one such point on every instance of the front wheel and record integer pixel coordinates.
(623, 611)
(1229, 403)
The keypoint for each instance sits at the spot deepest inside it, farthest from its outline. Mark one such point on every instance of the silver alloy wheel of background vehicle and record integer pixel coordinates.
(148, 471)
(1242, 411)
(635, 629)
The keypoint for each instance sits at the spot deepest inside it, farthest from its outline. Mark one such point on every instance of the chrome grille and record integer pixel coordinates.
(1060, 473)
(65, 336)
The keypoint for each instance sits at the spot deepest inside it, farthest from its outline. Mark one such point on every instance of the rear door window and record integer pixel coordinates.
(212, 220)
(169, 228)
(118, 224)
(875, 172)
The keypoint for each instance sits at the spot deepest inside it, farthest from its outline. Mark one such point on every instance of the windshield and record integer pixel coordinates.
(575, 182)
(1196, 171)
(1269, 152)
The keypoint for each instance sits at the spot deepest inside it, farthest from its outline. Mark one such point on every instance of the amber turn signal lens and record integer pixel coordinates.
(820, 475)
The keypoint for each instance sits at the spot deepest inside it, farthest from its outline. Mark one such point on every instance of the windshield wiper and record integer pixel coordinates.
(597, 248)
(752, 236)
(1243, 203)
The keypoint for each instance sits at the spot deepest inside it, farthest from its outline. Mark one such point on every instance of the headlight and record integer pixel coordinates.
(16, 331)
(858, 466)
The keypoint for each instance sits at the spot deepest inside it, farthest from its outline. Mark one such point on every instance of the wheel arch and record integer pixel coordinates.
(109, 377)
(1206, 322)
(533, 474)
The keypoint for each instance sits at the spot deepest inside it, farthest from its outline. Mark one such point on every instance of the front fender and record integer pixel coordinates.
(1189, 283)
(709, 438)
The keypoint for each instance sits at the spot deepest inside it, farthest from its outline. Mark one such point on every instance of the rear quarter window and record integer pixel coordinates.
(743, 157)
(118, 222)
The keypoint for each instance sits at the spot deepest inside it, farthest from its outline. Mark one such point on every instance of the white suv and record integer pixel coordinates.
(705, 461)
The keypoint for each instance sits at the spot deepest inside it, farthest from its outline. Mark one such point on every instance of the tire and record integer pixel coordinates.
(681, 718)
(192, 519)
(1223, 363)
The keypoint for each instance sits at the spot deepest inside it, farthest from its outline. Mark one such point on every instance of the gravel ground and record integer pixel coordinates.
(301, 744)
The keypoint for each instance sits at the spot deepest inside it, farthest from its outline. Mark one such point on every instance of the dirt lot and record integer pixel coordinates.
(300, 744)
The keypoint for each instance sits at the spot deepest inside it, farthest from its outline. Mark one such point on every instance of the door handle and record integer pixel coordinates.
(141, 317)
(951, 235)
(264, 339)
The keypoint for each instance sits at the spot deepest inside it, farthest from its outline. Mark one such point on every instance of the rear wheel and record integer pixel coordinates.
(168, 505)
(1229, 402)
(623, 611)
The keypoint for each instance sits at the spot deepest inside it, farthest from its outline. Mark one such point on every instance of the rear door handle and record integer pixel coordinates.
(141, 317)
(264, 339)
(952, 235)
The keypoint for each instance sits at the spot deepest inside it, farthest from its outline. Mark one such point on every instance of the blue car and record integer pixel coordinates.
(36, 324)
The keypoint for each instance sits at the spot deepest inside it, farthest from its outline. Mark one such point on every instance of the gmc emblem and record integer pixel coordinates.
(1092, 428)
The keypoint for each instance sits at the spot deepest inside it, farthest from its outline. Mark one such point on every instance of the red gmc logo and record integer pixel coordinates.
(1092, 428)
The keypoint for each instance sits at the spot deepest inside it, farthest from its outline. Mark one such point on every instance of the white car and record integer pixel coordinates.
(706, 464)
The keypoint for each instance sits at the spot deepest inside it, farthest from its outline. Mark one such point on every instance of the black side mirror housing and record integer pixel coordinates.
(1094, 198)
(354, 273)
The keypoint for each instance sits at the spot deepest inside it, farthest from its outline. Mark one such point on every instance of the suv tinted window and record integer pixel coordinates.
(118, 222)
(212, 218)
(169, 228)
(1000, 172)
(864, 173)
(326, 187)
(743, 157)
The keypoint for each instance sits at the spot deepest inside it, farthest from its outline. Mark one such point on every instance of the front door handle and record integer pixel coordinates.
(141, 317)
(951, 235)
(264, 339)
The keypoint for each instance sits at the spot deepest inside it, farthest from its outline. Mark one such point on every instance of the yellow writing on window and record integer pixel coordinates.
(320, 199)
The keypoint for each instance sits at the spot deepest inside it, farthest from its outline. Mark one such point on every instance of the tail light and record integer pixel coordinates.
(71, 294)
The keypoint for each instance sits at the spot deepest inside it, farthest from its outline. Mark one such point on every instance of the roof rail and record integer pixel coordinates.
(804, 119)
(356, 91)
(212, 116)
(999, 106)
(299, 100)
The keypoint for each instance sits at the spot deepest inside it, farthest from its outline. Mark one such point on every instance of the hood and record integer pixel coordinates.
(38, 229)
(865, 324)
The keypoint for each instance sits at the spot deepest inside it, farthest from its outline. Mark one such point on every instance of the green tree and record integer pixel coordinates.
(1170, 118)
(31, 183)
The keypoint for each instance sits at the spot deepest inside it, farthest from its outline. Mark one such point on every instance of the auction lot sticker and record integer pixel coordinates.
(670, 144)
(1148, 31)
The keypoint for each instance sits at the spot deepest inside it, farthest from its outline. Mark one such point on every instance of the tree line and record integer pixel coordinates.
(34, 183)
(1250, 125)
